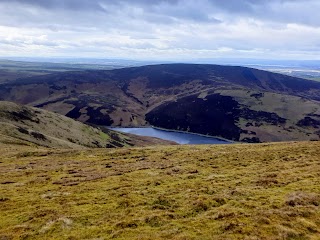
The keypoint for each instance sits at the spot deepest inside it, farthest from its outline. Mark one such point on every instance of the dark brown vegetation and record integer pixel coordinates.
(237, 103)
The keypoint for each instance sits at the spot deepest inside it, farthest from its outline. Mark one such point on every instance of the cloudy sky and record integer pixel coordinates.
(161, 29)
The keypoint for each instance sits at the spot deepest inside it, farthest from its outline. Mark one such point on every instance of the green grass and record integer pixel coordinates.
(241, 191)
(104, 136)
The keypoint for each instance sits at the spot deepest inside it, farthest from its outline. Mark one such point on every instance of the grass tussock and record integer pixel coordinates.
(262, 191)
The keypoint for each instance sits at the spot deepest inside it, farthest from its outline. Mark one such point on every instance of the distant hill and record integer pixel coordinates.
(11, 70)
(236, 103)
(27, 125)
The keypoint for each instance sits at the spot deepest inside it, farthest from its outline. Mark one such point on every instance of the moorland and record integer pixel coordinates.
(63, 175)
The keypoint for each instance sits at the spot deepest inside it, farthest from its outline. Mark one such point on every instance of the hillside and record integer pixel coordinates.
(237, 103)
(27, 125)
(241, 191)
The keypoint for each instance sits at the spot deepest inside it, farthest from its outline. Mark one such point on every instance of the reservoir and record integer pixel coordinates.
(178, 137)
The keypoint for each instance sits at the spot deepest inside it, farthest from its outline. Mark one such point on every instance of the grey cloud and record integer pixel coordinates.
(279, 11)
(58, 4)
(233, 5)
(170, 11)
(207, 25)
(23, 42)
(103, 15)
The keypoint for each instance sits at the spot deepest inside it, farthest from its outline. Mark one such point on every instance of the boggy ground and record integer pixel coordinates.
(241, 191)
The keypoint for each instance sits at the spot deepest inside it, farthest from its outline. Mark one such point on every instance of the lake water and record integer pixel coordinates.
(178, 137)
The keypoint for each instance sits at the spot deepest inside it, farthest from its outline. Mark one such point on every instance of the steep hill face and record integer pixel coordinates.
(28, 125)
(237, 103)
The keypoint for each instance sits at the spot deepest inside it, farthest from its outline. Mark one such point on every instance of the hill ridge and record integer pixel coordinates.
(126, 97)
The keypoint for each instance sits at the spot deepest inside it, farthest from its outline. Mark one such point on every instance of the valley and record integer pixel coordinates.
(159, 120)
(236, 103)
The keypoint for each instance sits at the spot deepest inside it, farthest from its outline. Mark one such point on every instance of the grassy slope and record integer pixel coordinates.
(44, 128)
(282, 105)
(261, 191)
(48, 129)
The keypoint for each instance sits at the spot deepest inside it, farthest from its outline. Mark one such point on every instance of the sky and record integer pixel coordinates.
(161, 29)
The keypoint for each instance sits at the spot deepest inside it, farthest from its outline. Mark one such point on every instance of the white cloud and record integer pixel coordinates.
(176, 29)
